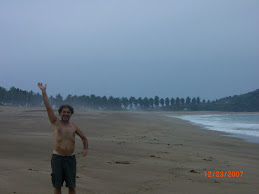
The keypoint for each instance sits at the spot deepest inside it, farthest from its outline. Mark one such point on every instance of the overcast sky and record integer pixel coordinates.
(140, 48)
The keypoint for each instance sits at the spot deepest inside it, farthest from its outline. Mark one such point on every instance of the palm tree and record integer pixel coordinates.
(117, 103)
(162, 102)
(194, 101)
(3, 93)
(58, 100)
(151, 102)
(156, 100)
(131, 101)
(92, 100)
(68, 99)
(75, 101)
(172, 101)
(198, 100)
(98, 102)
(110, 102)
(182, 101)
(146, 102)
(177, 101)
(135, 102)
(29, 97)
(125, 102)
(140, 102)
(37, 100)
(104, 101)
(188, 100)
(167, 102)
(12, 95)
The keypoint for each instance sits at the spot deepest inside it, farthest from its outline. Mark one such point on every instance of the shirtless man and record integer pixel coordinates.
(63, 162)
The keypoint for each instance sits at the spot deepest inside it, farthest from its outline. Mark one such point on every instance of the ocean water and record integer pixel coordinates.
(244, 126)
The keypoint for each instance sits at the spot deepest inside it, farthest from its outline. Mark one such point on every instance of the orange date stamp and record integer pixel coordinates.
(223, 173)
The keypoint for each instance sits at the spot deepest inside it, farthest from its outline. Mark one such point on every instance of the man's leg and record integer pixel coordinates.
(57, 176)
(72, 191)
(57, 190)
(70, 174)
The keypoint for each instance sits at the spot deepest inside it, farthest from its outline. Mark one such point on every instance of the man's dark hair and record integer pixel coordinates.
(66, 106)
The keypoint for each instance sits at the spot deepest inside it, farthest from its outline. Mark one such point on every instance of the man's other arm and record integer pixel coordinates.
(84, 140)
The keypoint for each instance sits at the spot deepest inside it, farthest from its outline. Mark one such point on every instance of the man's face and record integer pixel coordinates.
(65, 114)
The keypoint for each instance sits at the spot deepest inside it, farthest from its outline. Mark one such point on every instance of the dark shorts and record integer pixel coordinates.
(63, 169)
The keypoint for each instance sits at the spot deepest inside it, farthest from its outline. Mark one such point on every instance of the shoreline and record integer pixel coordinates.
(129, 152)
(244, 137)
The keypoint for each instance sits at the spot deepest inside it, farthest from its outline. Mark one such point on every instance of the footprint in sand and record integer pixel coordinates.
(163, 152)
(153, 156)
(208, 159)
(198, 154)
(83, 166)
(122, 142)
(194, 171)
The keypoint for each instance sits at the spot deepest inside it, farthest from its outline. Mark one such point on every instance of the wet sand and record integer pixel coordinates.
(129, 152)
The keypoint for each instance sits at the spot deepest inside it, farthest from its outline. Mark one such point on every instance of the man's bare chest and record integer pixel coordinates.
(64, 131)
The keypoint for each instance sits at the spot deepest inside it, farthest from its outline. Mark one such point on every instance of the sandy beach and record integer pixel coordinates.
(129, 152)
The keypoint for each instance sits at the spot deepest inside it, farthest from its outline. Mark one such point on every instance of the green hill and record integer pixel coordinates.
(248, 102)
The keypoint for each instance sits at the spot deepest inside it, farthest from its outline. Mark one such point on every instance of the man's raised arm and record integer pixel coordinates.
(51, 114)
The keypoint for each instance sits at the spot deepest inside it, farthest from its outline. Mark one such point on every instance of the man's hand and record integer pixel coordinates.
(43, 88)
(84, 152)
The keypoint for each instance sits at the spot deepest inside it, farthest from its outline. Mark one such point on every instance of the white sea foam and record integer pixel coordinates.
(236, 124)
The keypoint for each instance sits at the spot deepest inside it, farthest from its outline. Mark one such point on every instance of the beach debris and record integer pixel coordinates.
(122, 162)
(32, 169)
(77, 177)
(193, 171)
(207, 159)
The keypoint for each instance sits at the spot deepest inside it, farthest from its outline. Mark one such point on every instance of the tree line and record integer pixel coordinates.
(239, 103)
(17, 97)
